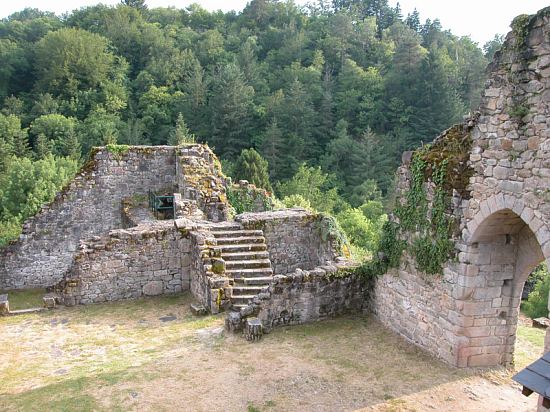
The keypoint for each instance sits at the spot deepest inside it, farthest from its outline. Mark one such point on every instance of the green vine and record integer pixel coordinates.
(330, 230)
(247, 199)
(426, 225)
(117, 150)
(520, 28)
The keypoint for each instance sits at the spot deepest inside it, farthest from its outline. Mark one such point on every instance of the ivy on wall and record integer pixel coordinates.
(248, 199)
(422, 224)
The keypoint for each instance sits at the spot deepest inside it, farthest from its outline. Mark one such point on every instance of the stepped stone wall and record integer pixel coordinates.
(95, 201)
(312, 295)
(145, 260)
(89, 206)
(468, 315)
(296, 238)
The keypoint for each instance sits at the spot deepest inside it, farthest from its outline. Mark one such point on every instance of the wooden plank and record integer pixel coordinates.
(531, 380)
(542, 368)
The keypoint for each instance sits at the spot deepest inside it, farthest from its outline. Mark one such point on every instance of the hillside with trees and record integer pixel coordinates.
(326, 96)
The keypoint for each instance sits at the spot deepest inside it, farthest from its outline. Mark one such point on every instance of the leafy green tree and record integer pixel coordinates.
(136, 4)
(492, 46)
(98, 129)
(159, 108)
(536, 305)
(252, 167)
(272, 148)
(361, 231)
(13, 139)
(27, 185)
(77, 67)
(314, 186)
(59, 133)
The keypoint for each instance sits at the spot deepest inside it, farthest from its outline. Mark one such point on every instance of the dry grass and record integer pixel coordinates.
(121, 356)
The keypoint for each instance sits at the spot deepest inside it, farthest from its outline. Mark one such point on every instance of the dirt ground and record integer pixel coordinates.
(153, 355)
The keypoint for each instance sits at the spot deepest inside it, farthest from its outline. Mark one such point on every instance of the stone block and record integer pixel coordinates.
(49, 302)
(198, 309)
(153, 288)
(4, 305)
(477, 331)
(484, 359)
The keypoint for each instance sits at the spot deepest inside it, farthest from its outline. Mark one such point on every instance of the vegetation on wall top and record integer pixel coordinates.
(422, 223)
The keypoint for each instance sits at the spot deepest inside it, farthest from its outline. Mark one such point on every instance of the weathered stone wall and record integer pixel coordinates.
(249, 197)
(307, 296)
(89, 206)
(129, 263)
(200, 179)
(207, 287)
(295, 238)
(468, 314)
(99, 199)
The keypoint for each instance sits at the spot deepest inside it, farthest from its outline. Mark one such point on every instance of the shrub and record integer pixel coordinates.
(536, 305)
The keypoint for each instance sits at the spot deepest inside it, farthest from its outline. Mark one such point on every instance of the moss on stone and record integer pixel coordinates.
(453, 147)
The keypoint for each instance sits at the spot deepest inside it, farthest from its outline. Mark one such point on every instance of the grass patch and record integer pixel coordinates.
(68, 395)
(25, 298)
(529, 345)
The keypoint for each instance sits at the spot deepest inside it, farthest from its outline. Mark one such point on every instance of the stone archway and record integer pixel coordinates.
(501, 252)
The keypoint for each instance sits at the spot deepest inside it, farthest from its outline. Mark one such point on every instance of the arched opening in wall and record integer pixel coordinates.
(503, 251)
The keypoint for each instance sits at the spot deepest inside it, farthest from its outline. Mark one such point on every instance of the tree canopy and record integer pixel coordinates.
(330, 89)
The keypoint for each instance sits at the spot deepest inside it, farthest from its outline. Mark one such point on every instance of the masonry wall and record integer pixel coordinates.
(89, 206)
(468, 314)
(129, 263)
(295, 238)
(309, 296)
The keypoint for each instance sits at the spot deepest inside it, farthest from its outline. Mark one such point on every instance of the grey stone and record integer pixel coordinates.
(4, 305)
(153, 288)
(198, 309)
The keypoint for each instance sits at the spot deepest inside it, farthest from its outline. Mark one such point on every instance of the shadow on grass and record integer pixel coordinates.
(25, 298)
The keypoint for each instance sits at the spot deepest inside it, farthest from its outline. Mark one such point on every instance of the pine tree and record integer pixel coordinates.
(272, 149)
(181, 134)
(42, 146)
(230, 112)
(136, 4)
(252, 167)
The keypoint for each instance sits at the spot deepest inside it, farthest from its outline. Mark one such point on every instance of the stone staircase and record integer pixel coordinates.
(246, 262)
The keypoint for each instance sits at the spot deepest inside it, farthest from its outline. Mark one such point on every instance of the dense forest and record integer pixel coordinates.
(328, 94)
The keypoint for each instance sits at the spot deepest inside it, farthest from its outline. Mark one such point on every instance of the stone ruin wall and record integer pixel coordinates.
(296, 239)
(89, 206)
(308, 296)
(95, 201)
(468, 315)
(146, 260)
(172, 256)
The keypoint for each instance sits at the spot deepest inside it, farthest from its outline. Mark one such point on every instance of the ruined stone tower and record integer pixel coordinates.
(468, 315)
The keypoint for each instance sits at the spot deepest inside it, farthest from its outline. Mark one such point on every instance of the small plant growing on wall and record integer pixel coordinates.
(117, 150)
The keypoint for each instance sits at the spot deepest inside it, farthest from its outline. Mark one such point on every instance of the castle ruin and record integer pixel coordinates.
(285, 267)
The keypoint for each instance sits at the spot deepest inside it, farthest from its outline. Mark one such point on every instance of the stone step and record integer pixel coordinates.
(247, 264)
(240, 240)
(263, 254)
(228, 227)
(238, 306)
(242, 247)
(256, 281)
(248, 290)
(236, 233)
(249, 273)
(242, 299)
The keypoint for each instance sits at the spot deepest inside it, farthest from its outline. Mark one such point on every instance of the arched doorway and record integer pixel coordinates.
(501, 253)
